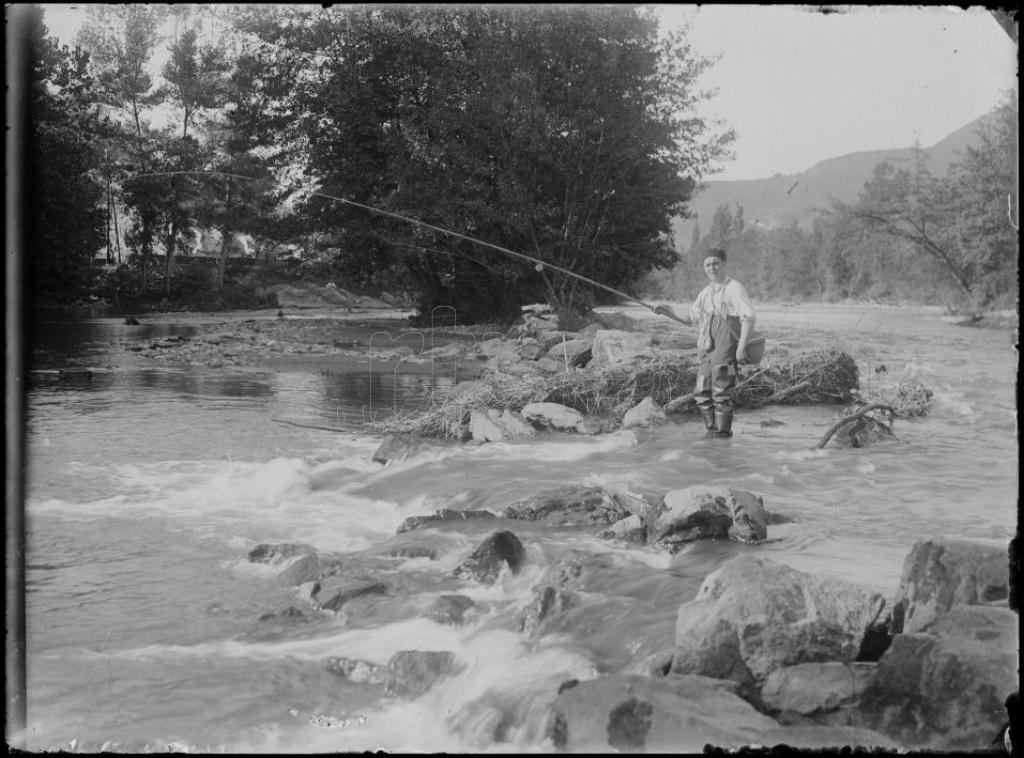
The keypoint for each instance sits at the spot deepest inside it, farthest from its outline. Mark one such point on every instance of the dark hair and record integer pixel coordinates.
(715, 251)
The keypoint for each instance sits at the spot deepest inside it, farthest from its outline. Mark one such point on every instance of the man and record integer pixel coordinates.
(724, 318)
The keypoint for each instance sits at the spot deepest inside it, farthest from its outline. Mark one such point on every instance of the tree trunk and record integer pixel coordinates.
(225, 245)
(170, 245)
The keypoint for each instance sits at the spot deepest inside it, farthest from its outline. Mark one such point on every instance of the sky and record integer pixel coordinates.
(800, 86)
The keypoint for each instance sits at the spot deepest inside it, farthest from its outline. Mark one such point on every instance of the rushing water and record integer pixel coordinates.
(147, 487)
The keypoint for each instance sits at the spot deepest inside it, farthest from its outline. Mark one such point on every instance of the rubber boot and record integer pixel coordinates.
(709, 421)
(723, 423)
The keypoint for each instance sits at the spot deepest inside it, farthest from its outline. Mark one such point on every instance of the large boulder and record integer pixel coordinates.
(644, 414)
(569, 505)
(937, 574)
(613, 347)
(753, 616)
(646, 714)
(703, 512)
(945, 686)
(494, 553)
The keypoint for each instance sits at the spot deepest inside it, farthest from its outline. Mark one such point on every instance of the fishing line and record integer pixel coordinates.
(538, 264)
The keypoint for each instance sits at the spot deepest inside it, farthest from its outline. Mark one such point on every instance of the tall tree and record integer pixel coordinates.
(566, 133)
(65, 217)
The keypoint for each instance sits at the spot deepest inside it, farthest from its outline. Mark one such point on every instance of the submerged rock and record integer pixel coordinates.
(450, 609)
(549, 604)
(361, 672)
(753, 616)
(629, 529)
(278, 552)
(945, 686)
(440, 516)
(400, 447)
(937, 574)
(413, 672)
(343, 593)
(498, 550)
(309, 568)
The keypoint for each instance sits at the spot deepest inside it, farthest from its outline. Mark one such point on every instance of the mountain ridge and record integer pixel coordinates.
(781, 199)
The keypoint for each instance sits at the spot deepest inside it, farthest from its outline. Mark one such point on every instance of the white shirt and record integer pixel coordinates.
(731, 299)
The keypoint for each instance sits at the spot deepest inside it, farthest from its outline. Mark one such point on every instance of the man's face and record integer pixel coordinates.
(714, 267)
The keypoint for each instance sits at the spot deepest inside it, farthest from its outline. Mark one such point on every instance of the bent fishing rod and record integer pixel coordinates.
(539, 264)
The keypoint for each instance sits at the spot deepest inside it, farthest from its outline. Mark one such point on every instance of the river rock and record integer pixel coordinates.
(574, 352)
(569, 505)
(558, 416)
(945, 686)
(613, 347)
(484, 428)
(811, 688)
(485, 563)
(397, 447)
(278, 552)
(549, 604)
(440, 516)
(753, 615)
(413, 672)
(938, 574)
(309, 568)
(514, 425)
(413, 551)
(645, 714)
(703, 512)
(629, 529)
(644, 414)
(289, 614)
(450, 609)
(343, 592)
(361, 672)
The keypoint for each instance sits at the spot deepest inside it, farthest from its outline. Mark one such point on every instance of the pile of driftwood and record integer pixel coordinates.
(606, 393)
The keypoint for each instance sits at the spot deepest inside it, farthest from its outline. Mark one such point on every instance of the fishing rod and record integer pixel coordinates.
(538, 264)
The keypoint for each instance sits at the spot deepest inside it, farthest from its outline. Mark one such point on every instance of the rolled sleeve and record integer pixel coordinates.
(740, 302)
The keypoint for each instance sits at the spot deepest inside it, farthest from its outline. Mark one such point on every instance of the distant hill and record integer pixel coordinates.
(780, 199)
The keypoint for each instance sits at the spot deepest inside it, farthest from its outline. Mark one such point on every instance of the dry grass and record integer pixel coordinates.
(825, 376)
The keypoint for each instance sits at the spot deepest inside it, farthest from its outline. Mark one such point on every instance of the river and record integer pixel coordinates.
(147, 487)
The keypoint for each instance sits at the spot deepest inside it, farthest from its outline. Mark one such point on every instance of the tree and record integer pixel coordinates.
(963, 221)
(567, 133)
(65, 218)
